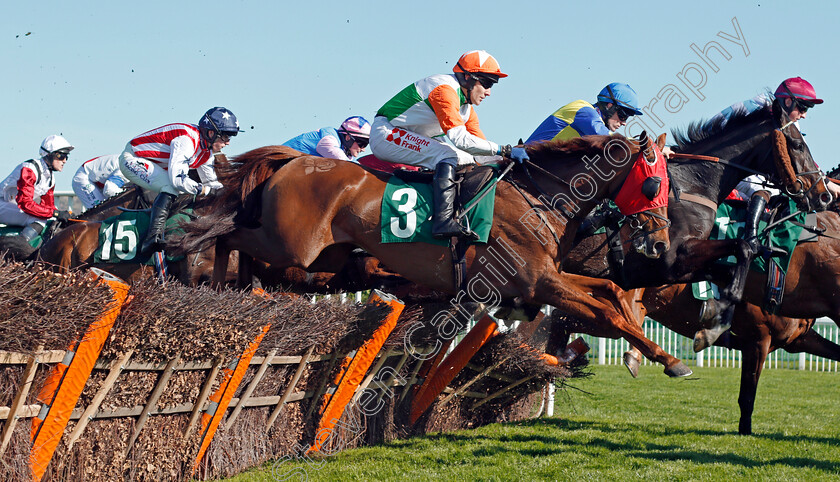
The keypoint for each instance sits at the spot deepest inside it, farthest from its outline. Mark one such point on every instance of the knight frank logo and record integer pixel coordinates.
(396, 136)
(403, 138)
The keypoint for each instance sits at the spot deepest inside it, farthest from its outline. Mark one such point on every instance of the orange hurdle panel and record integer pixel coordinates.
(483, 331)
(66, 380)
(352, 376)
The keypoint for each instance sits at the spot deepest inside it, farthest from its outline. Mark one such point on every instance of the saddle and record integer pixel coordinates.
(470, 178)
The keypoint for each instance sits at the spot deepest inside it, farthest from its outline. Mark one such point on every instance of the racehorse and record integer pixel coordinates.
(288, 209)
(721, 155)
(812, 290)
(74, 247)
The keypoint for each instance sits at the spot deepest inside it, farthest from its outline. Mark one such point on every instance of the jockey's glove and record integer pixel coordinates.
(519, 155)
(62, 216)
(204, 190)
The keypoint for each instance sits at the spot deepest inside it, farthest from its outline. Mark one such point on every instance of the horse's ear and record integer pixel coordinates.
(520, 142)
(644, 146)
(660, 141)
(221, 159)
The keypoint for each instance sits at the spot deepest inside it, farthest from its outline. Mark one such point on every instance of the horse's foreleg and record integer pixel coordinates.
(719, 319)
(220, 265)
(753, 361)
(695, 259)
(245, 274)
(571, 294)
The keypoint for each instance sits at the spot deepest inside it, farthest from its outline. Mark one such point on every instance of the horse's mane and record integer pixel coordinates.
(242, 176)
(575, 148)
(122, 199)
(699, 131)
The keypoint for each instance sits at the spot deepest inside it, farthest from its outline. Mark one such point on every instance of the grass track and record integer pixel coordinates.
(651, 428)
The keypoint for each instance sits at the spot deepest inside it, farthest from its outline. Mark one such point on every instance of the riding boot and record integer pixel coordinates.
(444, 193)
(154, 240)
(758, 202)
(31, 231)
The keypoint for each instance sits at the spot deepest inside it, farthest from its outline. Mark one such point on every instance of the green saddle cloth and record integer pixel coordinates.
(407, 209)
(729, 224)
(120, 237)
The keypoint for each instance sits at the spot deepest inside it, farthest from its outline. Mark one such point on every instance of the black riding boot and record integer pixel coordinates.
(444, 192)
(160, 211)
(758, 202)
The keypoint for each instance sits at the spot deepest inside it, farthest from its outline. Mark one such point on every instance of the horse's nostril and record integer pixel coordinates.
(659, 247)
(825, 198)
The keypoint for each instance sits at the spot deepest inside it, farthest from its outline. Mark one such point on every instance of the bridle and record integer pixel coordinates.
(637, 225)
(791, 178)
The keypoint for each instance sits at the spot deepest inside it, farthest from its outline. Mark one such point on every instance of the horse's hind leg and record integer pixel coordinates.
(813, 343)
(604, 310)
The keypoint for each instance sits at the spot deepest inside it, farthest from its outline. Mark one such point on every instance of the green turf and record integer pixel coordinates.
(651, 428)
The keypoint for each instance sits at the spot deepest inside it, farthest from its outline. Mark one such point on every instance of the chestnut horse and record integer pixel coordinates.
(291, 210)
(73, 247)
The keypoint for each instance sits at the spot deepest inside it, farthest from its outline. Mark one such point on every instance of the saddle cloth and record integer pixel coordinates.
(120, 237)
(407, 206)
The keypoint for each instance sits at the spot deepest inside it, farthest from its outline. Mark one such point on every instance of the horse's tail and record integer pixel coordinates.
(200, 234)
(239, 203)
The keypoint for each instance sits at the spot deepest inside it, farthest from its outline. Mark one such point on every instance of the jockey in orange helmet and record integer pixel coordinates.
(432, 123)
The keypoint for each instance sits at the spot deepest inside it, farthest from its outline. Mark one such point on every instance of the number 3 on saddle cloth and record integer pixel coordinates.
(120, 237)
(729, 224)
(407, 205)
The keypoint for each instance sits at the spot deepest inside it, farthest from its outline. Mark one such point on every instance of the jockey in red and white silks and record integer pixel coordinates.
(159, 160)
(26, 195)
(98, 179)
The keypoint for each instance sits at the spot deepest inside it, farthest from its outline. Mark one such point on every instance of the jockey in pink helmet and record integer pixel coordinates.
(345, 143)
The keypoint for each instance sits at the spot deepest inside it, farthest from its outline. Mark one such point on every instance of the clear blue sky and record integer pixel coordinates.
(100, 73)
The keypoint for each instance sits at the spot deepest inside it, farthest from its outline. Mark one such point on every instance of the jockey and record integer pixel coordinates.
(616, 103)
(432, 123)
(795, 96)
(159, 160)
(345, 143)
(26, 196)
(98, 179)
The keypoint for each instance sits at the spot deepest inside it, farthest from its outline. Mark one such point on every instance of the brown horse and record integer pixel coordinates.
(754, 332)
(812, 290)
(74, 246)
(308, 212)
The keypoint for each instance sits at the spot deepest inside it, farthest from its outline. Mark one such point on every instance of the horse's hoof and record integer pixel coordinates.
(677, 370)
(632, 363)
(705, 338)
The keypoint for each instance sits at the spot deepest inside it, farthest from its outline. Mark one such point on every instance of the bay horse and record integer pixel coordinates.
(74, 246)
(764, 141)
(292, 210)
(812, 290)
